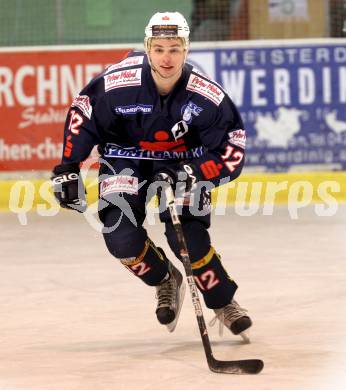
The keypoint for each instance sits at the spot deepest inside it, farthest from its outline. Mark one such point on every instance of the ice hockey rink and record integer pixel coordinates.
(72, 318)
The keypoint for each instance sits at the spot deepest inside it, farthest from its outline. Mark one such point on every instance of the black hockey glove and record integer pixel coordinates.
(183, 173)
(68, 187)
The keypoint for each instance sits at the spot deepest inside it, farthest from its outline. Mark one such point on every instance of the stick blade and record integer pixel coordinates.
(240, 367)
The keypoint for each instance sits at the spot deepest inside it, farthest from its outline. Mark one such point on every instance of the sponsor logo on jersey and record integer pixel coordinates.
(205, 88)
(238, 138)
(130, 61)
(83, 103)
(117, 151)
(190, 109)
(121, 183)
(123, 78)
(133, 109)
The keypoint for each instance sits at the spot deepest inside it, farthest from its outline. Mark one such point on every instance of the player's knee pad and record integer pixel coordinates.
(213, 281)
(196, 236)
(151, 265)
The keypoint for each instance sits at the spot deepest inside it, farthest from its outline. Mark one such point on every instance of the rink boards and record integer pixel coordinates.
(249, 191)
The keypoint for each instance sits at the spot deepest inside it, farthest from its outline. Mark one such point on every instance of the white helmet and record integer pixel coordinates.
(167, 25)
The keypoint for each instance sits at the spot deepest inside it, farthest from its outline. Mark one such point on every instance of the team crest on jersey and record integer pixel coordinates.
(130, 61)
(123, 78)
(83, 103)
(189, 110)
(205, 88)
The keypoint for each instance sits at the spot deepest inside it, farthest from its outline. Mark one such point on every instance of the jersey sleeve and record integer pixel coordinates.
(81, 130)
(224, 139)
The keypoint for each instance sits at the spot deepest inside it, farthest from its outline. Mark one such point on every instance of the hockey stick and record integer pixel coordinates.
(249, 366)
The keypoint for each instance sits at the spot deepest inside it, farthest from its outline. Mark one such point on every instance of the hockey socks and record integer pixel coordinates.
(213, 281)
(151, 265)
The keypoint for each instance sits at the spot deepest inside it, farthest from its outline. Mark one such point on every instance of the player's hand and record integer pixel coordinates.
(183, 173)
(68, 187)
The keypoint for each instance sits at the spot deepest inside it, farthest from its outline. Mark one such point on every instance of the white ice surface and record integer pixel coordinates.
(72, 318)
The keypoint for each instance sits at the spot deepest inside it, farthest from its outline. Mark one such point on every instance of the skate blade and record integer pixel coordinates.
(171, 326)
(245, 336)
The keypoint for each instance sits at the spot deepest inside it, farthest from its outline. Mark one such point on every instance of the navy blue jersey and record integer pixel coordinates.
(122, 112)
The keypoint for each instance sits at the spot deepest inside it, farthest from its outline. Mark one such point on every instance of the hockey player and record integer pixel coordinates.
(152, 113)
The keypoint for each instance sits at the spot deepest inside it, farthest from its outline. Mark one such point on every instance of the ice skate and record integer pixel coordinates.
(170, 295)
(234, 318)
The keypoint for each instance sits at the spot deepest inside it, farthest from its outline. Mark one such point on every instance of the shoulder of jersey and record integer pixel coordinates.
(126, 73)
(201, 84)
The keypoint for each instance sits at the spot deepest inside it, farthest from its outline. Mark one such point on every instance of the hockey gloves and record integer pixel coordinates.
(182, 174)
(68, 187)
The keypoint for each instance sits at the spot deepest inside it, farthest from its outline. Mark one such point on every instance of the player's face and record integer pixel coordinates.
(167, 56)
